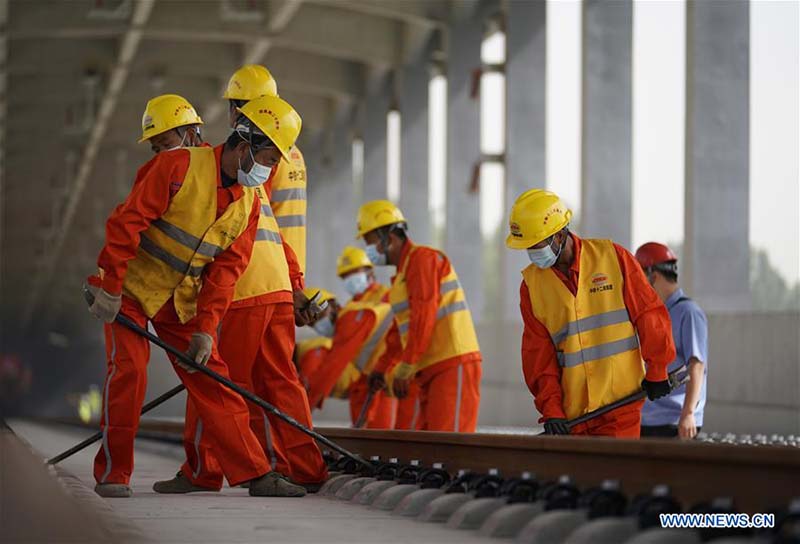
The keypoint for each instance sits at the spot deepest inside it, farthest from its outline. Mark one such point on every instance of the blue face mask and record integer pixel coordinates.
(545, 257)
(357, 283)
(257, 175)
(375, 257)
(324, 327)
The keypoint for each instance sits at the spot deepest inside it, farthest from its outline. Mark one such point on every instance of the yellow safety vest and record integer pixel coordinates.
(375, 346)
(375, 296)
(268, 270)
(595, 341)
(176, 247)
(346, 379)
(288, 201)
(454, 332)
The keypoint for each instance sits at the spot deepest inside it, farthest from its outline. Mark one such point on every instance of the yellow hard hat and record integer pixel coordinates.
(352, 258)
(249, 82)
(324, 295)
(276, 118)
(376, 214)
(166, 112)
(536, 215)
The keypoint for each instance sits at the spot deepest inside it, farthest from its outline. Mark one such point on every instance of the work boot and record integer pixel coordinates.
(114, 491)
(179, 484)
(272, 484)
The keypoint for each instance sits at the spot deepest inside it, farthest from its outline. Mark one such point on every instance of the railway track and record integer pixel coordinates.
(755, 477)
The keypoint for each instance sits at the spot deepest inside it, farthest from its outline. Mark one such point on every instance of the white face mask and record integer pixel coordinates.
(324, 327)
(545, 257)
(357, 283)
(257, 175)
(375, 257)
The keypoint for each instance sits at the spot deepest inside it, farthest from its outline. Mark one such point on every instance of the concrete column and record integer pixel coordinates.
(414, 145)
(463, 237)
(526, 36)
(716, 259)
(606, 184)
(375, 110)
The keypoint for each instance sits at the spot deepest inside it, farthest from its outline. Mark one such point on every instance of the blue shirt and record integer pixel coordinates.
(690, 333)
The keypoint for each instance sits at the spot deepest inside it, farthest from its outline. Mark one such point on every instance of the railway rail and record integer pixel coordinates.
(755, 477)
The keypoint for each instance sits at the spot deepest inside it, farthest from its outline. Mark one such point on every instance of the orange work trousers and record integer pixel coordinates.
(624, 422)
(407, 413)
(225, 414)
(449, 397)
(258, 342)
(381, 410)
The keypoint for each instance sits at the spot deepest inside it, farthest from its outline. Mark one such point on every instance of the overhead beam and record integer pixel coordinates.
(127, 52)
(425, 13)
(280, 17)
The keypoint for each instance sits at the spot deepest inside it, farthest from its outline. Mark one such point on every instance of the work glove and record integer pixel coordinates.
(105, 306)
(401, 379)
(556, 425)
(200, 347)
(656, 390)
(376, 381)
(303, 310)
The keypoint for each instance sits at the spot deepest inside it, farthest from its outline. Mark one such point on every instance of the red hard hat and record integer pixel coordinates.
(653, 253)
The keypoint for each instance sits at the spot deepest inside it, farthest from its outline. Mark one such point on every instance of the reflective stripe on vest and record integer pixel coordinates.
(282, 195)
(595, 342)
(288, 202)
(268, 271)
(176, 247)
(453, 333)
(378, 335)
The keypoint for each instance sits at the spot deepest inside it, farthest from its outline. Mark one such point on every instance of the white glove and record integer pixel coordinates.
(200, 347)
(105, 306)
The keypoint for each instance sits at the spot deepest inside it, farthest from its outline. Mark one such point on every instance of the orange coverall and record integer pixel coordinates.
(438, 384)
(240, 455)
(647, 313)
(352, 332)
(256, 339)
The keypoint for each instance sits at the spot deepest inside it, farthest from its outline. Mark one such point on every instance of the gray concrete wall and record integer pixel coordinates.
(606, 183)
(526, 67)
(716, 217)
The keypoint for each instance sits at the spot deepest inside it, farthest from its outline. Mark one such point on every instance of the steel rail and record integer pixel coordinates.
(757, 477)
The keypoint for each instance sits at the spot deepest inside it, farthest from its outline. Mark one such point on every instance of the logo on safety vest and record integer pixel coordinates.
(600, 283)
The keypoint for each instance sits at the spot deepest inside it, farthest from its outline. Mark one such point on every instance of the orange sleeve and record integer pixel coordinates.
(308, 366)
(149, 198)
(352, 331)
(539, 364)
(295, 272)
(423, 276)
(221, 274)
(649, 315)
(394, 348)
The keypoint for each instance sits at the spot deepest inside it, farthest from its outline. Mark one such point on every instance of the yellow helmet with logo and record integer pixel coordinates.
(249, 82)
(276, 119)
(536, 215)
(324, 295)
(166, 112)
(376, 214)
(352, 258)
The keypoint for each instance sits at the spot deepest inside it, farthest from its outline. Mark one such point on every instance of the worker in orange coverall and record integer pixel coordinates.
(174, 252)
(432, 331)
(359, 340)
(590, 317)
(256, 338)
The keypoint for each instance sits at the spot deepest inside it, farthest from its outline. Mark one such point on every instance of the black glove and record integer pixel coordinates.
(556, 426)
(656, 390)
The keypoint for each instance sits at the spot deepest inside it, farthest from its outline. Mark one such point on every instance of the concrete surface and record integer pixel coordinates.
(231, 516)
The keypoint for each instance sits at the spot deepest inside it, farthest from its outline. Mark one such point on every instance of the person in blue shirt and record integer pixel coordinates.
(679, 414)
